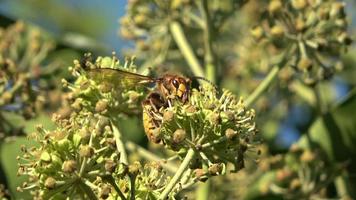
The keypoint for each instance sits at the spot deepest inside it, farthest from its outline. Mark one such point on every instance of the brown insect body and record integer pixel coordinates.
(169, 88)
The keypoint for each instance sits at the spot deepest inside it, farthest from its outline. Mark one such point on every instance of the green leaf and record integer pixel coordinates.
(8, 153)
(335, 132)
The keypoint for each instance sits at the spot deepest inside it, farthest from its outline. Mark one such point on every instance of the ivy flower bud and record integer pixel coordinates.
(277, 31)
(305, 64)
(179, 136)
(101, 106)
(105, 191)
(299, 4)
(110, 166)
(69, 166)
(50, 183)
(201, 175)
(307, 156)
(275, 6)
(215, 169)
(135, 168)
(45, 156)
(215, 119)
(168, 115)
(230, 134)
(86, 151)
(257, 32)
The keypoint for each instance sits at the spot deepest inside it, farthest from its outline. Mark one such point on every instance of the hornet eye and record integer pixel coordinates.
(175, 83)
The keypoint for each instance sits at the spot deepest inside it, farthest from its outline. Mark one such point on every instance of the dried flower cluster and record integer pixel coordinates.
(310, 34)
(299, 174)
(22, 53)
(149, 24)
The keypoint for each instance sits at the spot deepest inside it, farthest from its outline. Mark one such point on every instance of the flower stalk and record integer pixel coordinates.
(120, 145)
(186, 49)
(177, 176)
(263, 86)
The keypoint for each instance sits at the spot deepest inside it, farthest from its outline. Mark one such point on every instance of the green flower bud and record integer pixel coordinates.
(84, 133)
(307, 156)
(122, 169)
(134, 96)
(283, 174)
(45, 156)
(126, 33)
(299, 4)
(230, 134)
(142, 45)
(64, 144)
(179, 136)
(305, 64)
(215, 169)
(105, 191)
(105, 62)
(105, 87)
(229, 115)
(257, 32)
(175, 4)
(215, 119)
(190, 109)
(69, 166)
(50, 183)
(135, 168)
(300, 25)
(277, 31)
(140, 19)
(56, 160)
(337, 10)
(110, 166)
(6, 97)
(58, 135)
(111, 142)
(295, 184)
(275, 6)
(201, 175)
(344, 38)
(86, 151)
(168, 116)
(101, 106)
(64, 113)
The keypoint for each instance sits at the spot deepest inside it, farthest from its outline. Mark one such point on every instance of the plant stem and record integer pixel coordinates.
(303, 92)
(209, 54)
(182, 168)
(149, 156)
(343, 187)
(203, 190)
(263, 86)
(87, 189)
(112, 182)
(185, 48)
(85, 160)
(132, 186)
(120, 145)
(319, 101)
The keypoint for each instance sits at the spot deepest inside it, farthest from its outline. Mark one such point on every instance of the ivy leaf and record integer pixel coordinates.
(335, 132)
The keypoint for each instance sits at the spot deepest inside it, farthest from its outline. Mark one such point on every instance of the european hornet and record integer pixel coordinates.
(169, 88)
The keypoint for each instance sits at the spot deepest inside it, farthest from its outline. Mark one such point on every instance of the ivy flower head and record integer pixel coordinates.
(220, 128)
